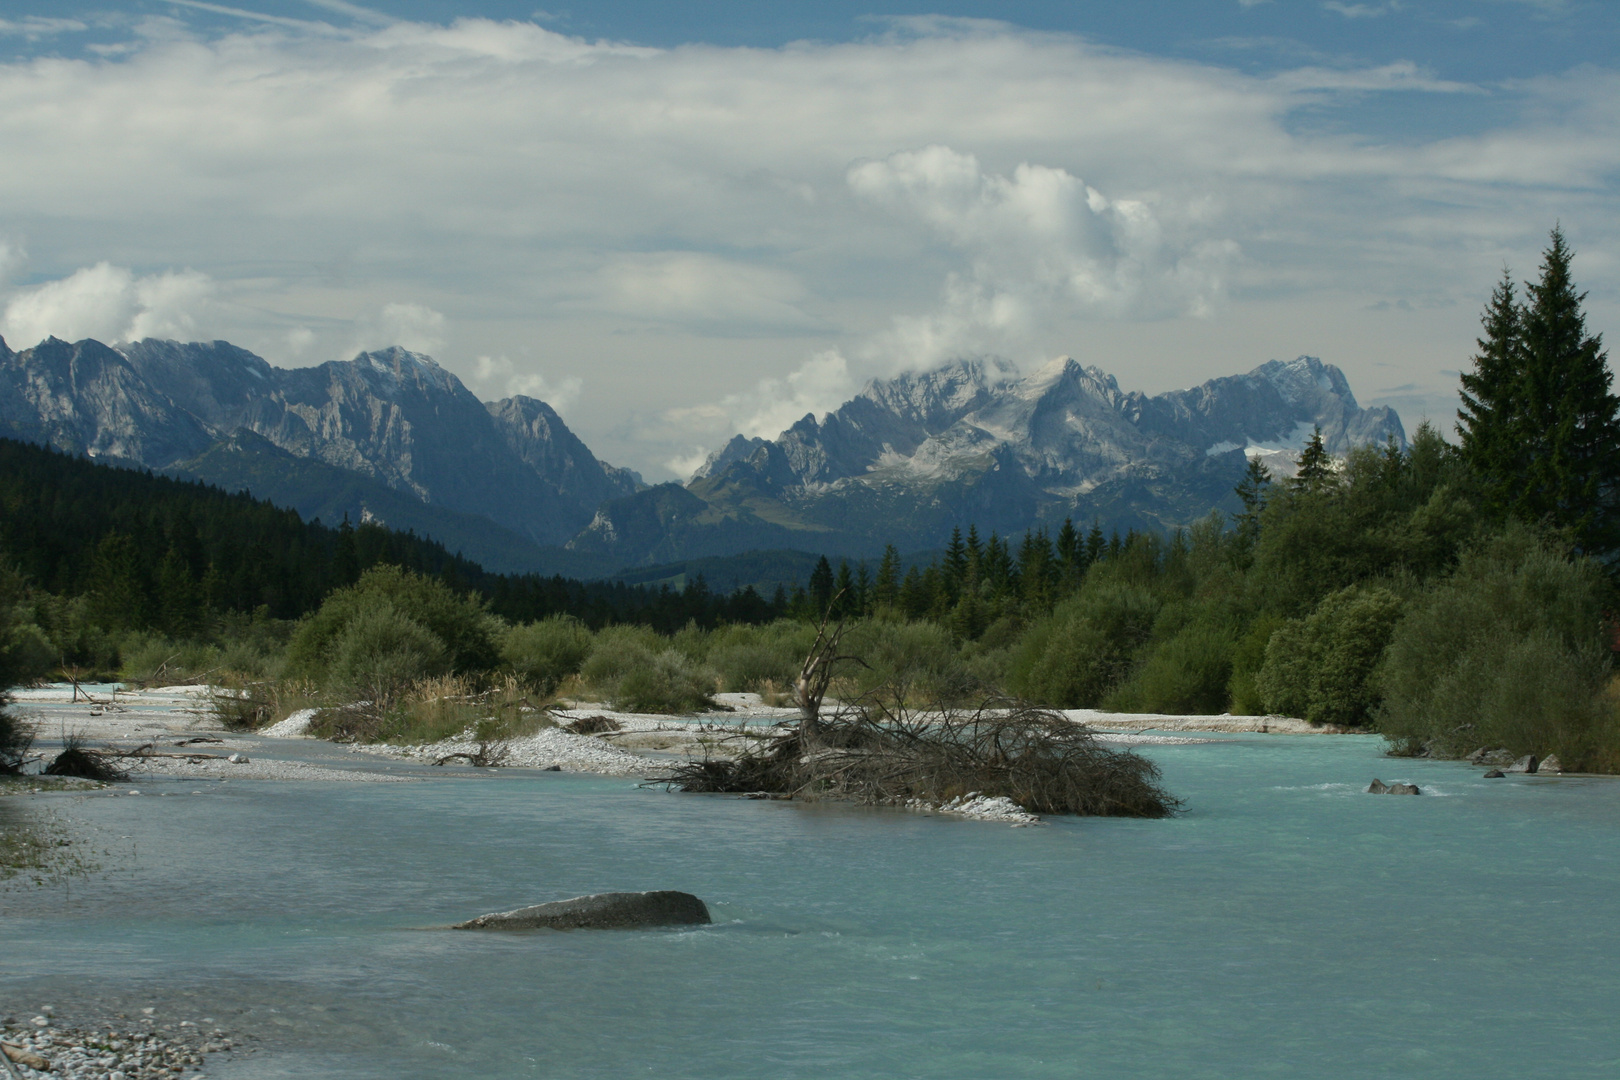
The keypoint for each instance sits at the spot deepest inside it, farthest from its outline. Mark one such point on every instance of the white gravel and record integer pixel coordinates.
(546, 749)
(981, 808)
(295, 726)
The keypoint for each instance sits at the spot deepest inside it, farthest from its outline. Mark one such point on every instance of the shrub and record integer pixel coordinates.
(1508, 651)
(1075, 656)
(545, 653)
(1248, 657)
(463, 630)
(1189, 673)
(919, 655)
(632, 668)
(755, 658)
(382, 651)
(667, 682)
(1321, 667)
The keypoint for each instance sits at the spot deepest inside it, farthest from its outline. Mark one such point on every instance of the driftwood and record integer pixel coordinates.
(487, 756)
(879, 749)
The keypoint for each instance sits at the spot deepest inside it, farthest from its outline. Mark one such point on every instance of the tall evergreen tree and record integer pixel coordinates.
(1315, 470)
(821, 586)
(1252, 491)
(1573, 472)
(1493, 423)
(886, 590)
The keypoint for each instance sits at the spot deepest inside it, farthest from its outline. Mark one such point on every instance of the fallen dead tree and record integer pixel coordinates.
(879, 749)
(85, 763)
(490, 754)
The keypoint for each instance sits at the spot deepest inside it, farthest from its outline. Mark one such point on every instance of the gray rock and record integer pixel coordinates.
(1495, 774)
(238, 759)
(1550, 764)
(602, 911)
(1377, 787)
(1527, 764)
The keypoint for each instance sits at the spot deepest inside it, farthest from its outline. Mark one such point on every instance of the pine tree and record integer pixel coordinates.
(886, 590)
(1573, 422)
(1315, 466)
(1095, 545)
(821, 586)
(1252, 491)
(1492, 423)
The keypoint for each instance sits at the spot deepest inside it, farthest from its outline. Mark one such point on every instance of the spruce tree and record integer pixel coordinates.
(1540, 426)
(1573, 470)
(1252, 491)
(1315, 466)
(1492, 423)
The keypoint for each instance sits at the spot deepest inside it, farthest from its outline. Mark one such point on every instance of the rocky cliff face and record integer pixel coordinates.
(910, 458)
(393, 416)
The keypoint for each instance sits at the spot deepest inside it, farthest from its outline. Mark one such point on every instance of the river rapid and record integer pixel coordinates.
(1287, 924)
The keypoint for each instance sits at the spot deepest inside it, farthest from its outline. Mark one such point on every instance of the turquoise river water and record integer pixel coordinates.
(1286, 925)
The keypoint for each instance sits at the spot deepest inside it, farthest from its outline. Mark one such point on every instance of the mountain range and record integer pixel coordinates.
(388, 435)
(392, 436)
(910, 458)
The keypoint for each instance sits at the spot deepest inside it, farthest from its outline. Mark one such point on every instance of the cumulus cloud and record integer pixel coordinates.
(499, 377)
(416, 327)
(109, 303)
(1038, 240)
(684, 222)
(763, 410)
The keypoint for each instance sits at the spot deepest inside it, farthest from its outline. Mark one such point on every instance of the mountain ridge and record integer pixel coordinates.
(909, 458)
(391, 415)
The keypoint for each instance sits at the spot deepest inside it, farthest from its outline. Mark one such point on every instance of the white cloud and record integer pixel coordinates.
(1360, 11)
(34, 27)
(109, 303)
(499, 377)
(702, 290)
(1041, 240)
(411, 326)
(683, 222)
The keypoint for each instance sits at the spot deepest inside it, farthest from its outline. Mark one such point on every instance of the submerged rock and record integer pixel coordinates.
(1378, 787)
(1495, 774)
(1527, 764)
(602, 911)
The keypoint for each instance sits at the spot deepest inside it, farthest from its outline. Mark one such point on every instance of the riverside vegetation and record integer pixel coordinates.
(1448, 597)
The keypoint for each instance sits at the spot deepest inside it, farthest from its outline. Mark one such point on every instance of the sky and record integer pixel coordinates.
(676, 223)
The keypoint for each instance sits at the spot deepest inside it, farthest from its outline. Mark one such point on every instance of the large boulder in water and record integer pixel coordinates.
(1527, 764)
(602, 911)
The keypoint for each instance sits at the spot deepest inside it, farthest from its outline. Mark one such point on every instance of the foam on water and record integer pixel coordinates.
(1287, 925)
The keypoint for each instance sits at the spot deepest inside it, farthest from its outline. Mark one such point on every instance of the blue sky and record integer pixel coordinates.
(681, 221)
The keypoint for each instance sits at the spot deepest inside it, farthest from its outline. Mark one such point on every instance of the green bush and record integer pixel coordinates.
(546, 652)
(1187, 674)
(1321, 667)
(1248, 657)
(382, 651)
(919, 655)
(1508, 651)
(1079, 653)
(666, 682)
(637, 671)
(464, 631)
(754, 659)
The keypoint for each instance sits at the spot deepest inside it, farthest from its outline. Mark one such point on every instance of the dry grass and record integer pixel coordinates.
(879, 749)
